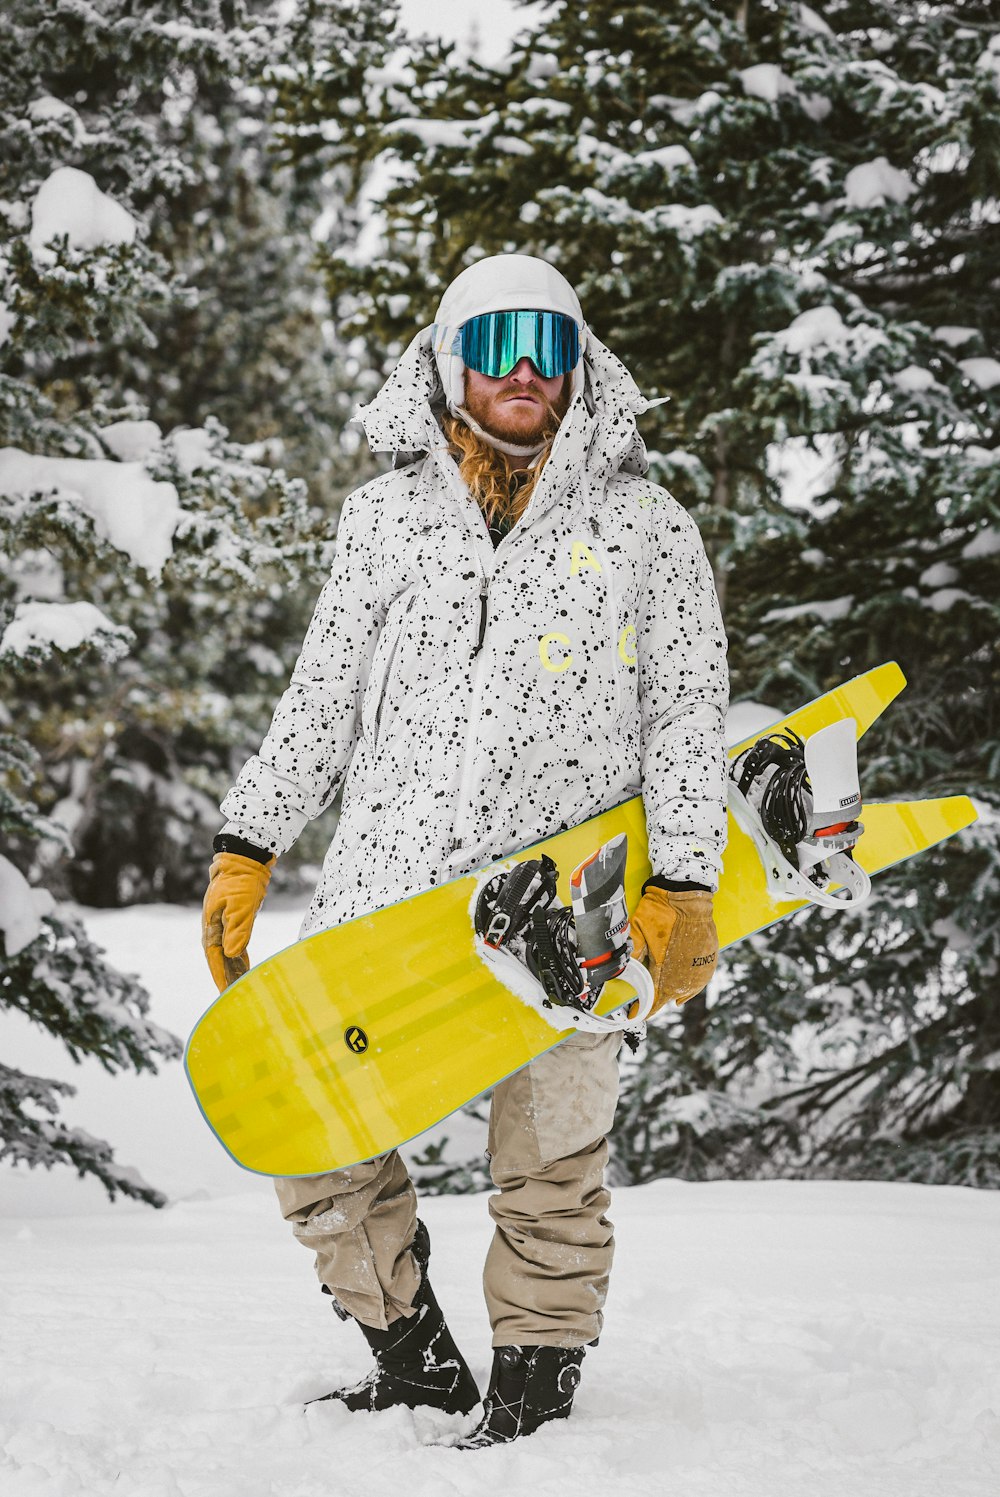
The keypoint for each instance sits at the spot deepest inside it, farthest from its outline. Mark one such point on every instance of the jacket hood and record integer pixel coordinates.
(598, 430)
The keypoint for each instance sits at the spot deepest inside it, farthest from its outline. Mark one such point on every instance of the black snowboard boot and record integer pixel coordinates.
(530, 1385)
(416, 1360)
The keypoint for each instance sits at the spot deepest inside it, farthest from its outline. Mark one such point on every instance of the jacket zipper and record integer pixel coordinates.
(483, 597)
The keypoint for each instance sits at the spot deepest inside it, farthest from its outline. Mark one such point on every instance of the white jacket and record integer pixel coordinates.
(479, 700)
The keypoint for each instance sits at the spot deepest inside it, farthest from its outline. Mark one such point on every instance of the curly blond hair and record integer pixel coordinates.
(492, 475)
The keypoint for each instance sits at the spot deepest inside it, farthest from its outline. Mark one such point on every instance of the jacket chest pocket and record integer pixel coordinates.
(384, 662)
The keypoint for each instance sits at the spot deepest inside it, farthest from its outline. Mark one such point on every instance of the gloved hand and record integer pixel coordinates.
(235, 893)
(674, 934)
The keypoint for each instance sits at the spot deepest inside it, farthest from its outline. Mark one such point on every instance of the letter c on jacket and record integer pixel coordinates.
(544, 647)
(627, 645)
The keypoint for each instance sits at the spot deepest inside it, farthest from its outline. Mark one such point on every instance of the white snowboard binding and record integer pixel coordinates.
(559, 959)
(800, 802)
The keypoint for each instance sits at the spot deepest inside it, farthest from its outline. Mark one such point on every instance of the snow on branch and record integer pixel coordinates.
(135, 513)
(70, 202)
(39, 628)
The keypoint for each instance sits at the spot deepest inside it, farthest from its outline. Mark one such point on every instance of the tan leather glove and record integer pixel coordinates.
(235, 893)
(674, 934)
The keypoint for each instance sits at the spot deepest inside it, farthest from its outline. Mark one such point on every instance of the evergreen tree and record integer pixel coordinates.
(782, 216)
(148, 576)
(88, 354)
(53, 972)
(254, 348)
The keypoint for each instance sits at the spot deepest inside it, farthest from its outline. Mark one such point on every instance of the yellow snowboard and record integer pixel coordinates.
(299, 1072)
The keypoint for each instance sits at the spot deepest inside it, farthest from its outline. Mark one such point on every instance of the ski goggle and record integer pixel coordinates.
(495, 342)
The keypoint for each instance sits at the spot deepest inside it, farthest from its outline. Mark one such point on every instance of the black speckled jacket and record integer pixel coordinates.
(479, 698)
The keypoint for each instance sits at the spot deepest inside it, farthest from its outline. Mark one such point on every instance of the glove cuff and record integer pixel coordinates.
(227, 842)
(674, 886)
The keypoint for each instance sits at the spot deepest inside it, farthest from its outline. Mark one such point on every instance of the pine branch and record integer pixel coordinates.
(36, 1141)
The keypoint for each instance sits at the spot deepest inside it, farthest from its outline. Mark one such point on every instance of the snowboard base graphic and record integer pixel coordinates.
(357, 1039)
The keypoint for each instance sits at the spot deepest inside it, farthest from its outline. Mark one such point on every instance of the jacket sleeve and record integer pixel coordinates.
(308, 747)
(683, 695)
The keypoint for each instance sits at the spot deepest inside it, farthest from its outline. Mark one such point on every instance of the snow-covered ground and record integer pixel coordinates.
(775, 1338)
(779, 1338)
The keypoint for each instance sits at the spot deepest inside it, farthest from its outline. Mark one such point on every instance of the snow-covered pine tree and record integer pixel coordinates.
(879, 1034)
(782, 216)
(146, 576)
(256, 348)
(342, 70)
(209, 660)
(51, 971)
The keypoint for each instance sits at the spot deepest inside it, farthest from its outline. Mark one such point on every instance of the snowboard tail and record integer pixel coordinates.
(357, 1039)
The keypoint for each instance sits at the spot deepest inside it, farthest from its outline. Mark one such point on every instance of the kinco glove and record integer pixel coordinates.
(674, 934)
(236, 889)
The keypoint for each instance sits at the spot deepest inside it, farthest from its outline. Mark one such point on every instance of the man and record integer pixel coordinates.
(519, 632)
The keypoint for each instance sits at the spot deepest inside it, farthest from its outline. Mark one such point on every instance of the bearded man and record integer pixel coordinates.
(519, 631)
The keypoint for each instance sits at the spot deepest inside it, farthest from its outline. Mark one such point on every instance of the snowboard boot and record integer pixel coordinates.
(530, 1385)
(417, 1363)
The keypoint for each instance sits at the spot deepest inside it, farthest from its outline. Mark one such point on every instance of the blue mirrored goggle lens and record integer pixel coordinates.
(495, 343)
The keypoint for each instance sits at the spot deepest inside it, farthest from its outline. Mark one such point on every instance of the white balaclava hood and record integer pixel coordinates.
(500, 283)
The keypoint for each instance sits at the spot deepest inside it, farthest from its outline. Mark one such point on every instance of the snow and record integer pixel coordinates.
(511, 145)
(875, 183)
(830, 1338)
(941, 574)
(686, 222)
(132, 441)
(985, 542)
(816, 106)
(813, 22)
(7, 320)
(46, 107)
(945, 599)
(541, 105)
(70, 202)
(193, 449)
(746, 718)
(37, 574)
(21, 908)
(805, 469)
(483, 31)
(989, 60)
(828, 612)
(817, 328)
(671, 158)
(913, 379)
(982, 372)
(454, 134)
(135, 513)
(62, 626)
(953, 336)
(761, 1337)
(765, 80)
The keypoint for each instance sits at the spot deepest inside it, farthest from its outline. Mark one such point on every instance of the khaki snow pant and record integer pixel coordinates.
(546, 1274)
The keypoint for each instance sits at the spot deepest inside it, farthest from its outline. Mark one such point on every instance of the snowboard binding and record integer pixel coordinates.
(568, 953)
(799, 799)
